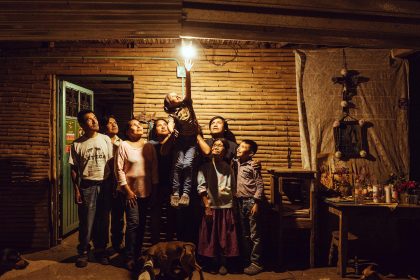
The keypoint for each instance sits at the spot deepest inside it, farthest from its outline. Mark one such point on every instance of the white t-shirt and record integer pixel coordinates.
(91, 155)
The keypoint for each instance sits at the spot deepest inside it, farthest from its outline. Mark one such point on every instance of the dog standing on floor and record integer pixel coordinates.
(166, 255)
(11, 259)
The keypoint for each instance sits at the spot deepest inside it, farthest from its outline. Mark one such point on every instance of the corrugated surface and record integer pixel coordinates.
(255, 90)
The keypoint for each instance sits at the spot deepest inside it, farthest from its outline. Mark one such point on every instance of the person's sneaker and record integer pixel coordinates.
(102, 258)
(223, 270)
(82, 260)
(253, 269)
(175, 200)
(184, 201)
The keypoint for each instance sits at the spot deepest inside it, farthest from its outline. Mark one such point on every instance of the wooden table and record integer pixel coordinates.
(344, 210)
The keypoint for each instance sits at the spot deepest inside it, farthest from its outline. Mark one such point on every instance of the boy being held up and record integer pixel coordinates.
(249, 192)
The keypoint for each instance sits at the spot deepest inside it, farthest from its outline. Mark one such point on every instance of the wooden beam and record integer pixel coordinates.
(401, 53)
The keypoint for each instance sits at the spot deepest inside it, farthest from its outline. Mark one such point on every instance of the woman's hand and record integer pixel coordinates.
(131, 198)
(208, 214)
(175, 133)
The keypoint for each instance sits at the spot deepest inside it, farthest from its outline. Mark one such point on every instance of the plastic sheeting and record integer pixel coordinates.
(382, 101)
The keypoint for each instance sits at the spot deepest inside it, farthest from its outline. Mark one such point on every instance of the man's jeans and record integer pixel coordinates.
(136, 224)
(183, 166)
(94, 215)
(117, 219)
(251, 232)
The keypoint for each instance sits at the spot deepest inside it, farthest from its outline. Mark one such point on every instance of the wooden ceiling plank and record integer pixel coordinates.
(365, 7)
(308, 22)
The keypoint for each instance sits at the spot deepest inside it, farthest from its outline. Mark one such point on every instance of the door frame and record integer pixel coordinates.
(60, 84)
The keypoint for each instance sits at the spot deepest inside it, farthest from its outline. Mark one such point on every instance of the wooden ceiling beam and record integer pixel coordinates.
(280, 22)
(367, 23)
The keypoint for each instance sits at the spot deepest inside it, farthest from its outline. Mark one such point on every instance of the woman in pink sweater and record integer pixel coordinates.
(137, 175)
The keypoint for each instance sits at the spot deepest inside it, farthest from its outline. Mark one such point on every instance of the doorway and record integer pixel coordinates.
(105, 95)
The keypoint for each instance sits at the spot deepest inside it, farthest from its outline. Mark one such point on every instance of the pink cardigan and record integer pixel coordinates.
(137, 168)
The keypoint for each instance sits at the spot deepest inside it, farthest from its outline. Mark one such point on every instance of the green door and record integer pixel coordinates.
(72, 98)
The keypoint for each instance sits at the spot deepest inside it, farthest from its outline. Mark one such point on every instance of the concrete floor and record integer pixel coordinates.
(58, 263)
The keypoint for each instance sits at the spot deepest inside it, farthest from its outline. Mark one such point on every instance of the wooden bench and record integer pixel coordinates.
(293, 194)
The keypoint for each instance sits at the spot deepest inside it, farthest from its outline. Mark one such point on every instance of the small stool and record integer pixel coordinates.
(334, 244)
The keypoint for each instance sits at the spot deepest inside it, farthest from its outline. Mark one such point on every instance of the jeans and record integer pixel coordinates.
(183, 167)
(94, 215)
(117, 219)
(251, 231)
(136, 224)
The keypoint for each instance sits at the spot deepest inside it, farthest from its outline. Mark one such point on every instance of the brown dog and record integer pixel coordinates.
(167, 254)
(370, 273)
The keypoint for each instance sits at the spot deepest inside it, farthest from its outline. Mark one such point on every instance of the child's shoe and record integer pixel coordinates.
(175, 200)
(253, 269)
(184, 201)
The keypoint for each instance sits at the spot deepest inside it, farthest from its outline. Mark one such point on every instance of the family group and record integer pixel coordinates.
(175, 169)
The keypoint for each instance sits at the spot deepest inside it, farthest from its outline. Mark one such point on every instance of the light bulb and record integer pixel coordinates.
(188, 51)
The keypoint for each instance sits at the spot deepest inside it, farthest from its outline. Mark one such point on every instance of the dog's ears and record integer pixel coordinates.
(189, 244)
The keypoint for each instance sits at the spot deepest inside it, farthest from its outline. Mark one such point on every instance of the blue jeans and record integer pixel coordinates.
(183, 166)
(251, 232)
(136, 224)
(117, 219)
(94, 215)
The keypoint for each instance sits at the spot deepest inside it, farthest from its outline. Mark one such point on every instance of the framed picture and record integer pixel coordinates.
(350, 139)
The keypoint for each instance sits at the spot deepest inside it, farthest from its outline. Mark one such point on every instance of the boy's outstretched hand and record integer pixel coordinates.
(188, 64)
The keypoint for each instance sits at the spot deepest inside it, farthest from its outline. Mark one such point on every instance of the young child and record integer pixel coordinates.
(182, 118)
(249, 192)
(218, 234)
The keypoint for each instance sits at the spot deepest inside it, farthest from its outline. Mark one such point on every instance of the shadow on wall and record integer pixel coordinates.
(23, 207)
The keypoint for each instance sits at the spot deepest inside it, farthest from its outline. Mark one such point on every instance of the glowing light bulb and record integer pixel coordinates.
(188, 51)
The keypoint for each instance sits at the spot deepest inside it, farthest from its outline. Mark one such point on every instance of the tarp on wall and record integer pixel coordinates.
(382, 101)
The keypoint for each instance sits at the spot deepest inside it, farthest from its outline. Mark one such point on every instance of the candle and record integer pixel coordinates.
(387, 189)
(375, 193)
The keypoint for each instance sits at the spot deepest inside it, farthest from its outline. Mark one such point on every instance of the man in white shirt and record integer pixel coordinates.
(89, 156)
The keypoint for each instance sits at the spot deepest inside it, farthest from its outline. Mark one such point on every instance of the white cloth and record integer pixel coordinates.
(379, 101)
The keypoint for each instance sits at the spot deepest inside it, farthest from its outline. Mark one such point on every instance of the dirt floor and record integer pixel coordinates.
(58, 263)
